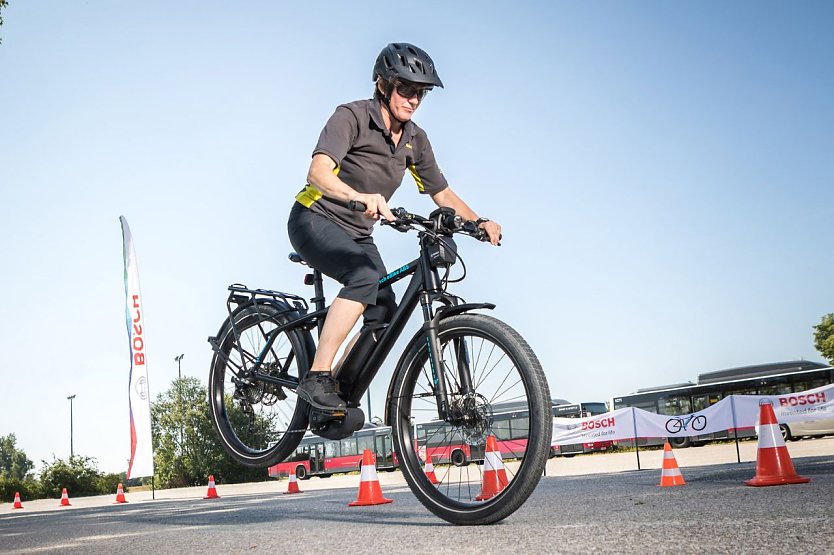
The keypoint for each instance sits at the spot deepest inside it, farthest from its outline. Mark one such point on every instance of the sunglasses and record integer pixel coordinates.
(410, 90)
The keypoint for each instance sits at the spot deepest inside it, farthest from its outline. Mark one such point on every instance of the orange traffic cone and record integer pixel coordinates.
(212, 490)
(292, 487)
(429, 470)
(120, 495)
(773, 462)
(64, 498)
(670, 475)
(495, 475)
(370, 493)
(17, 503)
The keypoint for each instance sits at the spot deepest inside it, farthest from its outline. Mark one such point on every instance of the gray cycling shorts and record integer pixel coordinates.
(355, 263)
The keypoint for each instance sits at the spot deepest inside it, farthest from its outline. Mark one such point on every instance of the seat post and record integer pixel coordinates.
(318, 300)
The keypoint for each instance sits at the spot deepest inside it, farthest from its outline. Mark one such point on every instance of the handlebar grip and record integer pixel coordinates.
(357, 206)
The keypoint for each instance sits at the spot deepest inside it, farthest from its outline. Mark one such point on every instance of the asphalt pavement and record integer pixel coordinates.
(608, 512)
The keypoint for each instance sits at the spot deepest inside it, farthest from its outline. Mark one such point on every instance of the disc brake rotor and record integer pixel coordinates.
(474, 415)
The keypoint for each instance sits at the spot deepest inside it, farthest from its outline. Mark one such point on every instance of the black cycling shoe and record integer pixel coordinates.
(319, 390)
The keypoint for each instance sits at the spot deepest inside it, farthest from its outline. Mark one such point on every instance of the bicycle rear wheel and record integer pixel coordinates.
(511, 402)
(258, 423)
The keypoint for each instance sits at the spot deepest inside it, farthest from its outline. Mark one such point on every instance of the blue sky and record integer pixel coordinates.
(663, 173)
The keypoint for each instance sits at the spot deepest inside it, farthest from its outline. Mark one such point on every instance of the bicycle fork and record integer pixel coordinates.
(436, 362)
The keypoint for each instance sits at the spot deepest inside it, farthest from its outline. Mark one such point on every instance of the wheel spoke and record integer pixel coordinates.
(256, 420)
(498, 407)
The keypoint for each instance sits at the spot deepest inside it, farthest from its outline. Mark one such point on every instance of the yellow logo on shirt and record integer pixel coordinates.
(408, 145)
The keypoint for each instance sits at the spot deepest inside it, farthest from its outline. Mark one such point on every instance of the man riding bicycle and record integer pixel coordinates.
(362, 155)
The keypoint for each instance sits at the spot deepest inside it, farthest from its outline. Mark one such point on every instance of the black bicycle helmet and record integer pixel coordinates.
(409, 63)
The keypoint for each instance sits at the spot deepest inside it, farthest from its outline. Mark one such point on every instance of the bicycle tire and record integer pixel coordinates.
(459, 506)
(699, 422)
(674, 425)
(264, 442)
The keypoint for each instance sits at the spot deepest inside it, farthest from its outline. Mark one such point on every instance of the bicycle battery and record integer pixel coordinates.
(354, 363)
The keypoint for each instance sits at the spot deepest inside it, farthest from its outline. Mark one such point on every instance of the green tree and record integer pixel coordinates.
(79, 475)
(824, 337)
(186, 448)
(3, 4)
(14, 464)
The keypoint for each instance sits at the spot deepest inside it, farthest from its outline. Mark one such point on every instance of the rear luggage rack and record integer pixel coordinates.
(241, 294)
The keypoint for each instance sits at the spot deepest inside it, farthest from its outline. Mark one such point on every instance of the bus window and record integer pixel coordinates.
(331, 449)
(700, 402)
(594, 408)
(365, 442)
(775, 389)
(745, 391)
(349, 446)
(501, 426)
(674, 404)
(520, 428)
(805, 385)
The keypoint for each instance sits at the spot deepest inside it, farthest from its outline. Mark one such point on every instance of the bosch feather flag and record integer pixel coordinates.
(139, 399)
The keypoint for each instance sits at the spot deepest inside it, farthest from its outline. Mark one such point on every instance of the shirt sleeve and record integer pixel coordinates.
(338, 135)
(424, 169)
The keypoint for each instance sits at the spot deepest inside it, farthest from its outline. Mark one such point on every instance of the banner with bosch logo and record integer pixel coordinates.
(139, 398)
(602, 427)
(814, 404)
(733, 412)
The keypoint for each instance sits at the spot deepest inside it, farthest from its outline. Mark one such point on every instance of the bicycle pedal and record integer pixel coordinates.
(318, 416)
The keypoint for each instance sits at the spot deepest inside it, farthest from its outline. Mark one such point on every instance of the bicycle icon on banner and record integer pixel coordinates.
(675, 425)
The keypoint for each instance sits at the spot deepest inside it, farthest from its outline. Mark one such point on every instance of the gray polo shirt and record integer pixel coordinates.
(366, 159)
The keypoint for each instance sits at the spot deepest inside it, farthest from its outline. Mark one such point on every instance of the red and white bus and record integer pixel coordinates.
(446, 444)
(316, 456)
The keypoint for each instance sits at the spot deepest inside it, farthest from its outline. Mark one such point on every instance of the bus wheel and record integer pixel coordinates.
(301, 472)
(679, 442)
(459, 458)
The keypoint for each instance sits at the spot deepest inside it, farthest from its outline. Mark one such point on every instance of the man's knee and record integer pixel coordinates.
(383, 310)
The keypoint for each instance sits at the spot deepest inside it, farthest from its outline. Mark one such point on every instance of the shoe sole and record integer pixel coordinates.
(327, 409)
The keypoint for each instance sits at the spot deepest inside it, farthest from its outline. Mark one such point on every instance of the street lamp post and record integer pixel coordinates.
(72, 451)
(178, 360)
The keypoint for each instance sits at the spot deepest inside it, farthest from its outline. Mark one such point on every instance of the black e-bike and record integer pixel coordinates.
(458, 371)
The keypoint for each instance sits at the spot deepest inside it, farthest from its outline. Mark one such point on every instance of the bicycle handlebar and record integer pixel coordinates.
(442, 220)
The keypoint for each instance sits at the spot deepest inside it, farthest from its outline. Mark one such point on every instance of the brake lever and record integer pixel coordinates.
(399, 225)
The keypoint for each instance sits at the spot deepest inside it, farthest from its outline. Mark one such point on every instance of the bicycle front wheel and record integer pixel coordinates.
(509, 400)
(258, 423)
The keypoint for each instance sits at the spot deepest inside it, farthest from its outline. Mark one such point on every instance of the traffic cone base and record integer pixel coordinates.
(495, 475)
(370, 492)
(212, 489)
(773, 462)
(670, 475)
(429, 470)
(64, 499)
(17, 503)
(292, 487)
(120, 495)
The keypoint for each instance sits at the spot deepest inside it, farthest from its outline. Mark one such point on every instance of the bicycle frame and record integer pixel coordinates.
(425, 289)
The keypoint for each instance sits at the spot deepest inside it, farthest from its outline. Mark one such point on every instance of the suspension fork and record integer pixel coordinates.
(435, 352)
(464, 368)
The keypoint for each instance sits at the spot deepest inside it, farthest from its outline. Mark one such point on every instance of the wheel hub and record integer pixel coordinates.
(473, 413)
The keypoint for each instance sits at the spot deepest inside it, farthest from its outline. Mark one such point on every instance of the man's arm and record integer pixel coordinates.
(448, 198)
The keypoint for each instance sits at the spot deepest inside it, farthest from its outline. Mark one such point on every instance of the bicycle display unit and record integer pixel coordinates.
(455, 369)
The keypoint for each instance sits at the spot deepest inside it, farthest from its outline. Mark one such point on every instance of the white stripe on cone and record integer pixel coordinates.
(368, 474)
(770, 436)
(492, 461)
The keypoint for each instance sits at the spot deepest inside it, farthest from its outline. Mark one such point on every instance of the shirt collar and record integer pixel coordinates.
(375, 110)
